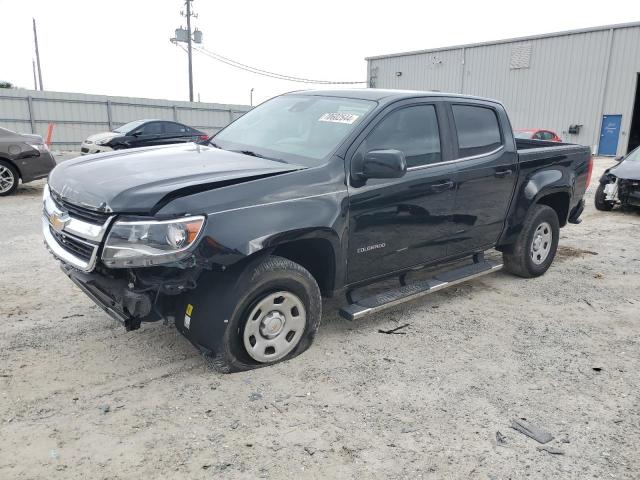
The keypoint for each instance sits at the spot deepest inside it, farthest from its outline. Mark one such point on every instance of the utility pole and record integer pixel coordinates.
(35, 38)
(251, 97)
(35, 80)
(189, 37)
(188, 4)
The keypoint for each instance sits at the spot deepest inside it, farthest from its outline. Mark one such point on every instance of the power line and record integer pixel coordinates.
(266, 73)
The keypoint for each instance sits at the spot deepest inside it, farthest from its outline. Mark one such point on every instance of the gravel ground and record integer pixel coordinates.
(81, 398)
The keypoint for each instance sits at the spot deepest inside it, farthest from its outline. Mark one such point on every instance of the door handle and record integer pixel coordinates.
(503, 173)
(441, 187)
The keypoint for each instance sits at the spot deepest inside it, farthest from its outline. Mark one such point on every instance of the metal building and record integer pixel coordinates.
(583, 84)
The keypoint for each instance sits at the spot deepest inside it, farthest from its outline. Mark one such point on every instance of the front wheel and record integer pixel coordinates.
(277, 314)
(536, 246)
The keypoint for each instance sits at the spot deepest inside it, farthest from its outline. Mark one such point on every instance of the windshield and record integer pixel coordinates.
(634, 156)
(127, 127)
(302, 129)
(523, 133)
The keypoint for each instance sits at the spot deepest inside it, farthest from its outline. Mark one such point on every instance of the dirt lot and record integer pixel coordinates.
(81, 398)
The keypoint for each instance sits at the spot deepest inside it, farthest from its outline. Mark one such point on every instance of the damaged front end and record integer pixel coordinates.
(620, 191)
(134, 296)
(133, 268)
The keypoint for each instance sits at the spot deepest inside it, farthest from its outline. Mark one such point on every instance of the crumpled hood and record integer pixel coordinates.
(103, 136)
(136, 180)
(628, 170)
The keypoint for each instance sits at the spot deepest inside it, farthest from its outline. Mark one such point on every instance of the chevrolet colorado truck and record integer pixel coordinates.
(310, 194)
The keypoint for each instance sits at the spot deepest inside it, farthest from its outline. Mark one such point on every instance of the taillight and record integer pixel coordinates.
(589, 170)
(204, 137)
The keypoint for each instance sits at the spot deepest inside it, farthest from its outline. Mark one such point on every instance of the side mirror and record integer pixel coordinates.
(620, 158)
(384, 164)
(136, 134)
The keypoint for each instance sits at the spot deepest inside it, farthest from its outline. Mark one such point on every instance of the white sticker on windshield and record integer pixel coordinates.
(347, 118)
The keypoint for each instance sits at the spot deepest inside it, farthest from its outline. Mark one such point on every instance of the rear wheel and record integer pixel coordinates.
(9, 178)
(536, 246)
(277, 314)
(601, 201)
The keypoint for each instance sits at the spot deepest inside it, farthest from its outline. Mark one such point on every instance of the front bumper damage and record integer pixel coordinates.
(115, 297)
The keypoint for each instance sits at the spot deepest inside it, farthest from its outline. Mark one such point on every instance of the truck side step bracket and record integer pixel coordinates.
(411, 291)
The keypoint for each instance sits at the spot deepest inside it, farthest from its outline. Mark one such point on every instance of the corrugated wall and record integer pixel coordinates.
(571, 79)
(76, 116)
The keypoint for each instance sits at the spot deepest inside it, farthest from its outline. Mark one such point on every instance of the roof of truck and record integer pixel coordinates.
(384, 94)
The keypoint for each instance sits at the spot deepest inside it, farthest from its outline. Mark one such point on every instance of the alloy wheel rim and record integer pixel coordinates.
(541, 243)
(6, 179)
(274, 327)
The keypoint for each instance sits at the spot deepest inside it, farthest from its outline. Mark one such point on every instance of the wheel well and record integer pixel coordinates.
(12, 164)
(314, 254)
(560, 203)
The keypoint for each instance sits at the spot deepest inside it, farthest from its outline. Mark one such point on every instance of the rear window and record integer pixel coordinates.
(478, 129)
(175, 128)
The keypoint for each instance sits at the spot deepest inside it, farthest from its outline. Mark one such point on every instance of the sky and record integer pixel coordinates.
(122, 47)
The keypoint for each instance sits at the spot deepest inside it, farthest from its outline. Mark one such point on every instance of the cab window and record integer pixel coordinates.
(412, 130)
(477, 128)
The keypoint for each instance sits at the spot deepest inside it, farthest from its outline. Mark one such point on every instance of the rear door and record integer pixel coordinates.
(177, 133)
(399, 223)
(487, 164)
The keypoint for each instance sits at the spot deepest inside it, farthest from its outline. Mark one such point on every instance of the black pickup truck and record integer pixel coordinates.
(309, 194)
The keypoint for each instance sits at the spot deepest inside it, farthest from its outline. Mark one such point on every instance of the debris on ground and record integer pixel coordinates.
(551, 450)
(597, 369)
(500, 439)
(532, 431)
(394, 331)
(105, 408)
(310, 450)
(255, 396)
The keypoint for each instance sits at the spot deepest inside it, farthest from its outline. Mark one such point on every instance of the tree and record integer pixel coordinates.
(5, 84)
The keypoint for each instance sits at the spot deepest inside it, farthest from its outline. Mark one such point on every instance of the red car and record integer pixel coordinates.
(537, 134)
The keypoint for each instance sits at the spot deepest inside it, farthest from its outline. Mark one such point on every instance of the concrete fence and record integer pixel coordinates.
(75, 116)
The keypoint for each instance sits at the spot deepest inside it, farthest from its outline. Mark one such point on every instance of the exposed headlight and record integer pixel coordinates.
(146, 243)
(41, 147)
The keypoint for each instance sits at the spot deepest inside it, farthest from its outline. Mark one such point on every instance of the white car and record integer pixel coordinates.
(141, 133)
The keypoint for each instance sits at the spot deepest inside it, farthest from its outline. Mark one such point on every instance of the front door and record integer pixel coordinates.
(609, 135)
(399, 223)
(487, 171)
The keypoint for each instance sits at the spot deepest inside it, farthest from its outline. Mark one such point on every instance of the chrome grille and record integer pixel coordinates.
(73, 245)
(83, 213)
(73, 234)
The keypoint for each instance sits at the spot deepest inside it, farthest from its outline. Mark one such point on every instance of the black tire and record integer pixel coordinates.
(257, 282)
(9, 173)
(518, 259)
(600, 202)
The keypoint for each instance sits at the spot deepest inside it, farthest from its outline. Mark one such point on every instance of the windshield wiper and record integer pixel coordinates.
(256, 154)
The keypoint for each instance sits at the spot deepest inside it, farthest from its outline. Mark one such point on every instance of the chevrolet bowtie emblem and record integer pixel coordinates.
(58, 221)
